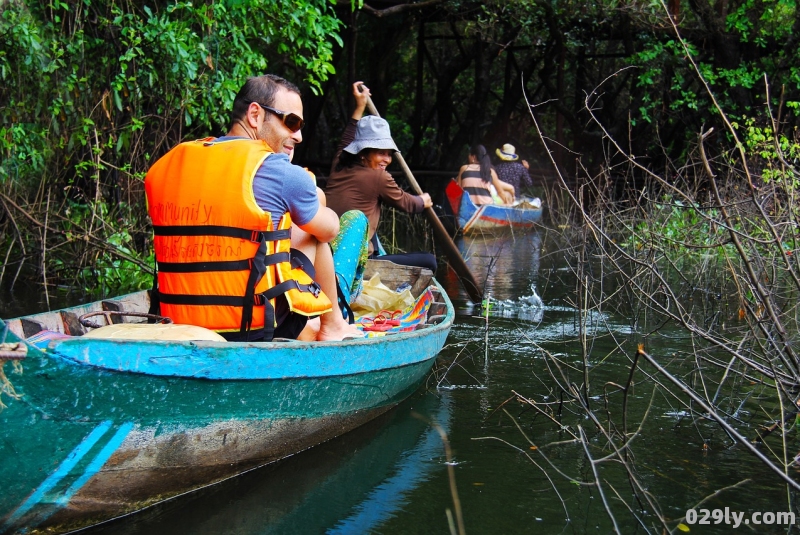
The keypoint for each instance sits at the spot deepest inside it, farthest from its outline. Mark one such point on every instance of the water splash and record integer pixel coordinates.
(525, 307)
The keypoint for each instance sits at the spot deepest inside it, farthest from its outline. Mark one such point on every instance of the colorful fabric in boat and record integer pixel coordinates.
(41, 339)
(350, 249)
(409, 318)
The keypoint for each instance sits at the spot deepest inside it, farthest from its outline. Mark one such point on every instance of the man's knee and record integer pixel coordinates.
(304, 242)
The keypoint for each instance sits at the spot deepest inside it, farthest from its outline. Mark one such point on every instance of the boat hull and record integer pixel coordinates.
(86, 470)
(106, 428)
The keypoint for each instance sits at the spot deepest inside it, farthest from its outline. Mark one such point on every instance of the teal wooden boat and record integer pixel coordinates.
(100, 428)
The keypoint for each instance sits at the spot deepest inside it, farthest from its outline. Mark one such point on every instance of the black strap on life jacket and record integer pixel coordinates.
(222, 231)
(155, 298)
(265, 297)
(291, 284)
(256, 265)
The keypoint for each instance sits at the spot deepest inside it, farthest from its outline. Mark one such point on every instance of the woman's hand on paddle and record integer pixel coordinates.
(361, 94)
(426, 200)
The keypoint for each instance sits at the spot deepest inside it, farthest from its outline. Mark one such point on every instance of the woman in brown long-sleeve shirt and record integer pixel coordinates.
(359, 181)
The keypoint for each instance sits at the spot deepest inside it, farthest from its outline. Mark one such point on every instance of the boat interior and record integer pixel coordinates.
(133, 309)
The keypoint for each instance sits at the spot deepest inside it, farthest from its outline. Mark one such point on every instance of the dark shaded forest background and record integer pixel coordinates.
(92, 92)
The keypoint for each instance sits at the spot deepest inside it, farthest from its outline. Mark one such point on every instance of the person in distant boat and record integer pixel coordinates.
(359, 180)
(478, 176)
(511, 170)
(241, 234)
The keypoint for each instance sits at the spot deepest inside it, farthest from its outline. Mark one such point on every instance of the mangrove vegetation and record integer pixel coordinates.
(662, 135)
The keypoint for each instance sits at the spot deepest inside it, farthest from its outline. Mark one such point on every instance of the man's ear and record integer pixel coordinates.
(252, 114)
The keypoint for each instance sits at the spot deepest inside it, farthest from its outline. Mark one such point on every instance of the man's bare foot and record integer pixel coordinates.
(332, 329)
(310, 331)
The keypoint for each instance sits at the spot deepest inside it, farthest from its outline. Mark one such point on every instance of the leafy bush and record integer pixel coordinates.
(93, 91)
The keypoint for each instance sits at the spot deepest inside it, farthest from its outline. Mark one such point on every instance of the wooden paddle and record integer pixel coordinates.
(453, 254)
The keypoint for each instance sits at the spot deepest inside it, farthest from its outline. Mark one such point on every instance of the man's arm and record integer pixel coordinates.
(302, 198)
(324, 225)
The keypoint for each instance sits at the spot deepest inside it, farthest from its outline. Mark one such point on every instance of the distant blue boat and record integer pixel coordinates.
(490, 218)
(99, 428)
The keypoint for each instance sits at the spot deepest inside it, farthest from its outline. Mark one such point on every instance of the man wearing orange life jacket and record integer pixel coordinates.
(225, 212)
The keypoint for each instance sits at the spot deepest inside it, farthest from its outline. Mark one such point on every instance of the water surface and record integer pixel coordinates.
(516, 470)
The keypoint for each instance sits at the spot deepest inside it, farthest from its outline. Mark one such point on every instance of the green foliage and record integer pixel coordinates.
(679, 229)
(133, 70)
(116, 267)
(734, 62)
(112, 275)
(660, 65)
(762, 21)
(772, 154)
(92, 90)
(685, 232)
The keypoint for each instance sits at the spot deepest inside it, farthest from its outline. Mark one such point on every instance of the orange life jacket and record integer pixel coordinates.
(221, 263)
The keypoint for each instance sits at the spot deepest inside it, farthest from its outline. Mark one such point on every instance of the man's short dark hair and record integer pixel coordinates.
(258, 89)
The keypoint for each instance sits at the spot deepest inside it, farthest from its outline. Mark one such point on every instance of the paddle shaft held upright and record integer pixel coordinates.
(453, 254)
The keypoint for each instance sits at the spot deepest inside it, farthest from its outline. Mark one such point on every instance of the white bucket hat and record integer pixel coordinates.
(507, 153)
(372, 132)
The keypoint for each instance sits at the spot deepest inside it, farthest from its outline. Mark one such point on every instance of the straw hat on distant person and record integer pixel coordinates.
(507, 153)
(372, 132)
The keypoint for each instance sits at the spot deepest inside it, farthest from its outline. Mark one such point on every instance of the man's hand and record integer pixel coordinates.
(525, 164)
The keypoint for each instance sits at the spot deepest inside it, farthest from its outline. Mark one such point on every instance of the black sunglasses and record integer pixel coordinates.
(292, 121)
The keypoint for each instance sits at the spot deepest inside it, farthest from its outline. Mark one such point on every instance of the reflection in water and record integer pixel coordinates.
(349, 485)
(492, 258)
(535, 356)
(506, 263)
(389, 476)
(412, 468)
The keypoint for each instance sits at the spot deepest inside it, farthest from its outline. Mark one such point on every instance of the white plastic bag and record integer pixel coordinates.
(376, 296)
